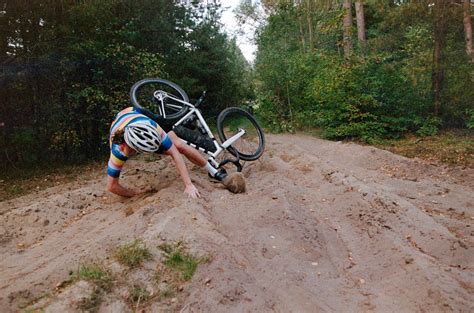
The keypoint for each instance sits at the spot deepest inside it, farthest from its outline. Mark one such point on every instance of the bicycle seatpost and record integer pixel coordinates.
(201, 99)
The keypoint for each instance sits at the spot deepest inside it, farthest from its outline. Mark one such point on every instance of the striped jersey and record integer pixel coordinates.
(119, 153)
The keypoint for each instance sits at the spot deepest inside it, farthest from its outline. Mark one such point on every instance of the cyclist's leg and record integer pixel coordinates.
(190, 153)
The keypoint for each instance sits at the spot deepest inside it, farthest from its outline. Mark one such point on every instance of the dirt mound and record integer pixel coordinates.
(323, 226)
(235, 182)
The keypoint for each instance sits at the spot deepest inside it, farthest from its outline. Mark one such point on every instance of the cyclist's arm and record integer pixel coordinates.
(190, 189)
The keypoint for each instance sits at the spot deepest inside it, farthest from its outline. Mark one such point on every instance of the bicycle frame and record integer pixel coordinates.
(220, 147)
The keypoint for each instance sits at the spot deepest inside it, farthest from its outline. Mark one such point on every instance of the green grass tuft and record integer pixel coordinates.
(102, 279)
(179, 260)
(95, 273)
(133, 254)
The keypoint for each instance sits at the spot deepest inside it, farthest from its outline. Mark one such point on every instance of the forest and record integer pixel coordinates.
(368, 70)
(364, 69)
(67, 68)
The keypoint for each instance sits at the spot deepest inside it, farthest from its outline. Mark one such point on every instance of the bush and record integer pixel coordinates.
(367, 99)
(430, 127)
(470, 118)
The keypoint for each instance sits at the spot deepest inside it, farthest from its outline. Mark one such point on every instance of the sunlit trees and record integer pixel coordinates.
(67, 67)
(409, 72)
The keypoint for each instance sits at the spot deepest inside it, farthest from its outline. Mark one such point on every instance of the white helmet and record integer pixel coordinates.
(142, 137)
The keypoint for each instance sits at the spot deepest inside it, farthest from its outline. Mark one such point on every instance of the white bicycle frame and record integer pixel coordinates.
(220, 147)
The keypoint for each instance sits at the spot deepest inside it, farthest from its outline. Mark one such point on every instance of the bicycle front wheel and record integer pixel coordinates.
(159, 98)
(251, 145)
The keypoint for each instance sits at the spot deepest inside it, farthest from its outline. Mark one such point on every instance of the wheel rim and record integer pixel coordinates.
(152, 95)
(249, 145)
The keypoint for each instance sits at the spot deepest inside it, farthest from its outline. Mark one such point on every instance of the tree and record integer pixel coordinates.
(467, 26)
(414, 64)
(309, 20)
(440, 28)
(67, 67)
(347, 28)
(359, 6)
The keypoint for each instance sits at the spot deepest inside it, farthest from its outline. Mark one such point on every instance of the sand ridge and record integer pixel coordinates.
(323, 226)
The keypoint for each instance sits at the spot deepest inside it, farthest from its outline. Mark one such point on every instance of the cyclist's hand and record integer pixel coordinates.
(192, 192)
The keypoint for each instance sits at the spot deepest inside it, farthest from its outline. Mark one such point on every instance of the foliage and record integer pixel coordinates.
(470, 118)
(67, 68)
(430, 127)
(383, 91)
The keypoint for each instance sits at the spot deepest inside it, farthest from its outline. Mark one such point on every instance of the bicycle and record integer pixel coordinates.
(239, 132)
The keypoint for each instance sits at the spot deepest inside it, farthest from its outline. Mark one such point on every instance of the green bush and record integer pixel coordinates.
(430, 127)
(382, 90)
(470, 118)
(367, 99)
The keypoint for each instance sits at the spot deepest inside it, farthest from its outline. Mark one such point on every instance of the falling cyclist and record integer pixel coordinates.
(131, 133)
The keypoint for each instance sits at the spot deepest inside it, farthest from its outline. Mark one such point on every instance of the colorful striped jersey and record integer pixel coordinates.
(119, 153)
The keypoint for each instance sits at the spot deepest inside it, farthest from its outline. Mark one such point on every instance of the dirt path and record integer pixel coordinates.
(323, 227)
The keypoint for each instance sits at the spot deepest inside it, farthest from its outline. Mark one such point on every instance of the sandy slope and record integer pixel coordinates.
(323, 227)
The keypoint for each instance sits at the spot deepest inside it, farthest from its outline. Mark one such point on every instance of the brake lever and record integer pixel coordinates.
(201, 99)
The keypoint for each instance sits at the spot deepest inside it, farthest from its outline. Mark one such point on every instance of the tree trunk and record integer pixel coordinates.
(359, 6)
(310, 25)
(347, 25)
(440, 27)
(468, 26)
(303, 44)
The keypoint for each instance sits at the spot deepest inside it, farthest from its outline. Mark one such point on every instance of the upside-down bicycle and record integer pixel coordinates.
(239, 132)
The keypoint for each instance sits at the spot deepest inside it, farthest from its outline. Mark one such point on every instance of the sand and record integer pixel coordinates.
(322, 227)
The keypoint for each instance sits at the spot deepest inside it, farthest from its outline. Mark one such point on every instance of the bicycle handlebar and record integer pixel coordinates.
(201, 99)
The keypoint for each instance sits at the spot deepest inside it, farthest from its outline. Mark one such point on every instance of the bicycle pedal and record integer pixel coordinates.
(221, 175)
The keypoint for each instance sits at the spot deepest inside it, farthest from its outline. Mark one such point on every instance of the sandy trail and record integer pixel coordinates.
(323, 227)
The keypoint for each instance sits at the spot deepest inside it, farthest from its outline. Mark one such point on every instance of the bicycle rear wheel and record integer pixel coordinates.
(154, 96)
(251, 145)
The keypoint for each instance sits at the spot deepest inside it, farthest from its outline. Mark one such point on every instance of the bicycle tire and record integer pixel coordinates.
(171, 87)
(252, 144)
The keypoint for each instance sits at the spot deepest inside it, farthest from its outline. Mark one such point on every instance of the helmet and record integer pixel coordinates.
(142, 137)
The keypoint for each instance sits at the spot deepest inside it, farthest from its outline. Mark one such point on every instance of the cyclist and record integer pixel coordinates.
(132, 132)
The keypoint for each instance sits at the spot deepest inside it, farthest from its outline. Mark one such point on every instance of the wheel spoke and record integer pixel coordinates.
(250, 146)
(164, 95)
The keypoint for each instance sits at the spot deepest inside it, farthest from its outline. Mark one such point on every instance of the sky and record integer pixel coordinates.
(230, 25)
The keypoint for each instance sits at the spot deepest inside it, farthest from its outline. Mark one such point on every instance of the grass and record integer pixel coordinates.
(96, 274)
(17, 182)
(452, 147)
(175, 268)
(168, 292)
(178, 260)
(92, 303)
(139, 294)
(133, 254)
(102, 280)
